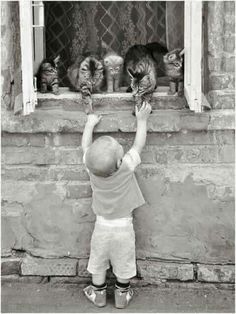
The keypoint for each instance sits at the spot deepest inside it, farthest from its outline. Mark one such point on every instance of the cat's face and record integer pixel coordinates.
(113, 64)
(140, 84)
(174, 57)
(50, 65)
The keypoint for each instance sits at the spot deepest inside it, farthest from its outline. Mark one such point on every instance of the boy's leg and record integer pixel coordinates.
(96, 292)
(123, 293)
(99, 279)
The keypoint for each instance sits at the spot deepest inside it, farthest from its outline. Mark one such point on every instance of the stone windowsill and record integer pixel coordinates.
(65, 113)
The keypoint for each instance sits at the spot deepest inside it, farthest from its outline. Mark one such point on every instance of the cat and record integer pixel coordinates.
(113, 64)
(140, 63)
(47, 76)
(174, 68)
(87, 76)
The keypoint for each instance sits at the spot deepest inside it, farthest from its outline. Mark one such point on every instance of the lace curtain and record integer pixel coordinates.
(73, 28)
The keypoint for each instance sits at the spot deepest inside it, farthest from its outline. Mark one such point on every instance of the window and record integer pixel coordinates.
(33, 50)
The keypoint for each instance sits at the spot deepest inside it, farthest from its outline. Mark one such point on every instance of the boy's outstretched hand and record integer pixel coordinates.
(93, 119)
(143, 112)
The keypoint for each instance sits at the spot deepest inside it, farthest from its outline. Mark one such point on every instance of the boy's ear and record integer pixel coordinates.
(118, 163)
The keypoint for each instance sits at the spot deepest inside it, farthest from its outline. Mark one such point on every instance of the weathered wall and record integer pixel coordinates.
(185, 231)
(11, 98)
(221, 53)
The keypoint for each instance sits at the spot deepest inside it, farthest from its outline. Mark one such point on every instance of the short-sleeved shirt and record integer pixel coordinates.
(118, 195)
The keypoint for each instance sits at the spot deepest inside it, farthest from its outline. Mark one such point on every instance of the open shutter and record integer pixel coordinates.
(193, 54)
(32, 49)
(38, 33)
(29, 95)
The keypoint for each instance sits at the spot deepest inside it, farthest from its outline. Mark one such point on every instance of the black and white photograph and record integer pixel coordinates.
(117, 156)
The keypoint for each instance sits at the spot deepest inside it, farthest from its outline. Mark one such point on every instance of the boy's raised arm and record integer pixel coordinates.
(87, 137)
(142, 115)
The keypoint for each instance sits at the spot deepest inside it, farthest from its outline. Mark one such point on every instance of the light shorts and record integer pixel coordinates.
(113, 243)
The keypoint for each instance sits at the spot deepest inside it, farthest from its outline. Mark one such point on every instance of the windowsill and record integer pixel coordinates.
(108, 102)
(161, 91)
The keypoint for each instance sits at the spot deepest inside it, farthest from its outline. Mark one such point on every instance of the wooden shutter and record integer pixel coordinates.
(32, 49)
(193, 54)
(38, 34)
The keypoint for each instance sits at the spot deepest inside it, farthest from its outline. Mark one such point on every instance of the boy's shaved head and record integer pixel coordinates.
(102, 156)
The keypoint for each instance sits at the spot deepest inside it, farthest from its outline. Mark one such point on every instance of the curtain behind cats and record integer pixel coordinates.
(73, 28)
(174, 24)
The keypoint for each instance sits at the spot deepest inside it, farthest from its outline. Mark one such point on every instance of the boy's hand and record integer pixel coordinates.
(143, 113)
(93, 119)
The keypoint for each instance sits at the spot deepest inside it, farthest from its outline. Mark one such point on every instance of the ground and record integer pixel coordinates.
(68, 298)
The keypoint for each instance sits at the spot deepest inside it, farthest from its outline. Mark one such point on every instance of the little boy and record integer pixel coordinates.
(115, 195)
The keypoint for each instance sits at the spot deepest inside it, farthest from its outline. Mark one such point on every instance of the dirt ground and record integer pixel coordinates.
(18, 297)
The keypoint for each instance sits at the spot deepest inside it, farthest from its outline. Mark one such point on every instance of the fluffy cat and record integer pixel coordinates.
(174, 68)
(47, 76)
(86, 75)
(113, 64)
(140, 66)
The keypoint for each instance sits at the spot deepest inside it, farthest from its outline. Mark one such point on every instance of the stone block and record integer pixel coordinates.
(9, 139)
(148, 156)
(37, 140)
(23, 279)
(222, 120)
(216, 273)
(48, 267)
(71, 139)
(158, 271)
(228, 63)
(28, 155)
(229, 44)
(78, 190)
(214, 63)
(10, 266)
(195, 154)
(68, 173)
(188, 137)
(82, 268)
(14, 191)
(19, 173)
(220, 81)
(69, 156)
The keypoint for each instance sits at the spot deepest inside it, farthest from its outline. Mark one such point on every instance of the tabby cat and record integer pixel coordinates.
(141, 63)
(86, 75)
(113, 65)
(47, 76)
(174, 67)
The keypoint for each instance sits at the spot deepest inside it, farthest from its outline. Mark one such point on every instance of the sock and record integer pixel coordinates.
(100, 287)
(122, 285)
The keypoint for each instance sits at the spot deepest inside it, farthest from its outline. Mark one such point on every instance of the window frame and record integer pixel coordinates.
(33, 52)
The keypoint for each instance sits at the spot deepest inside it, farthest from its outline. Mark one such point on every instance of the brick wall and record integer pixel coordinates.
(185, 231)
(187, 180)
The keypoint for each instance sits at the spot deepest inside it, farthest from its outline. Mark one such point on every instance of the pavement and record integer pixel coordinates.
(18, 297)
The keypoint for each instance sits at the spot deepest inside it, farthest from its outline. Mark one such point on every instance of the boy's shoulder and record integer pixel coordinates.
(132, 159)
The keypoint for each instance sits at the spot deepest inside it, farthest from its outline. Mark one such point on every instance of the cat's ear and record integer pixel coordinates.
(181, 52)
(57, 59)
(130, 72)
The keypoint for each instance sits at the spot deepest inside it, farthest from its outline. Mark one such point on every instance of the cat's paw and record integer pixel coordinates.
(181, 93)
(56, 92)
(170, 93)
(43, 91)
